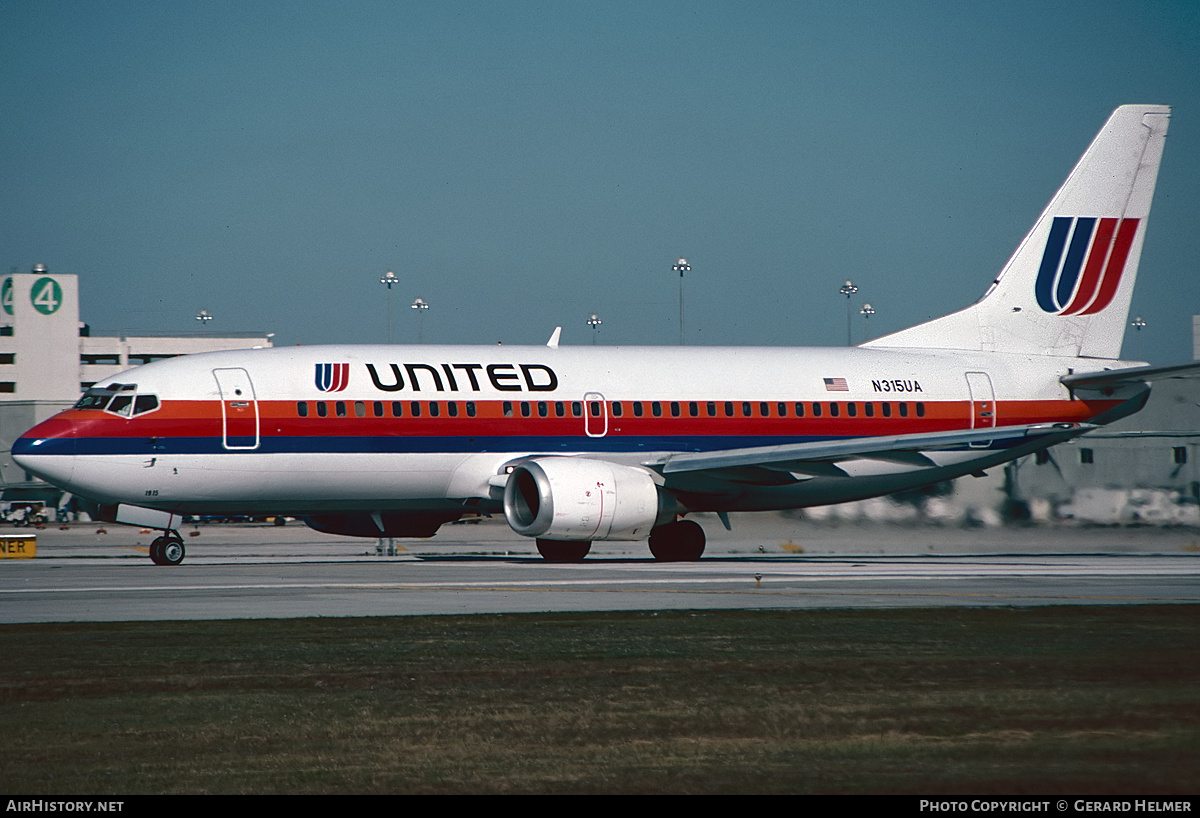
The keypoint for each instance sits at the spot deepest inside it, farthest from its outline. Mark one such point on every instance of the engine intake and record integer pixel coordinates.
(568, 498)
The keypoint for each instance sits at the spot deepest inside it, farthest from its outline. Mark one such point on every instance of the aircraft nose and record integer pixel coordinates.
(48, 451)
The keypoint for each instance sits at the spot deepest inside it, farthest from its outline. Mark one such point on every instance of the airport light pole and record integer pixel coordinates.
(594, 322)
(681, 267)
(420, 306)
(867, 311)
(389, 278)
(1137, 324)
(848, 289)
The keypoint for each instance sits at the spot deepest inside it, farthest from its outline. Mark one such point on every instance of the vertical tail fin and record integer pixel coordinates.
(1067, 288)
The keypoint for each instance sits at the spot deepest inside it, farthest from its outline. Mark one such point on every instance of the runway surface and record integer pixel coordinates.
(98, 573)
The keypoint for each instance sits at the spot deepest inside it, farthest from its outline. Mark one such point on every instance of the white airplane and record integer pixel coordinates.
(576, 445)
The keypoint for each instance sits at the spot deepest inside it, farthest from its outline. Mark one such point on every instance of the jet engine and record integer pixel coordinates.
(567, 498)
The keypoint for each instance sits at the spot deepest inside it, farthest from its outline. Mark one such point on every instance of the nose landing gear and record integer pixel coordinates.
(167, 549)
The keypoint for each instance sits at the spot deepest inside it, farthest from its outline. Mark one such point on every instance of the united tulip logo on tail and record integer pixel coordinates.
(1083, 279)
(333, 377)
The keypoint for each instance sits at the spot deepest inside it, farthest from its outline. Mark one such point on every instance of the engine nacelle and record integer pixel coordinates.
(568, 498)
(385, 524)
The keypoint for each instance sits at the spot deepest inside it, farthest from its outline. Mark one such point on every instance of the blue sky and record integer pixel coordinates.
(521, 165)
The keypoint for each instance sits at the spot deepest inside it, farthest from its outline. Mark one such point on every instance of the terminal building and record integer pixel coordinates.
(1140, 470)
(48, 357)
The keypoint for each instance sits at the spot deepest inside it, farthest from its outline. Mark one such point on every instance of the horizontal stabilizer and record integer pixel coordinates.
(1135, 374)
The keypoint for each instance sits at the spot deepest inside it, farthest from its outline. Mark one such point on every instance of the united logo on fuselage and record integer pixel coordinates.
(332, 377)
(463, 377)
(1082, 264)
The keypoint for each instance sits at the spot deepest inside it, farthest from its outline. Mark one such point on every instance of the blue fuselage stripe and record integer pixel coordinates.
(405, 445)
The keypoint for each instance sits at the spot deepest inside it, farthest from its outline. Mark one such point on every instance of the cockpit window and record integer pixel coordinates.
(121, 404)
(94, 399)
(118, 398)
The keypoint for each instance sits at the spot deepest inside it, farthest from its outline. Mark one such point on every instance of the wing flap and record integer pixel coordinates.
(797, 456)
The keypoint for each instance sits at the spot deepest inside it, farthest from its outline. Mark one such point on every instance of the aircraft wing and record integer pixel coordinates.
(1135, 374)
(820, 457)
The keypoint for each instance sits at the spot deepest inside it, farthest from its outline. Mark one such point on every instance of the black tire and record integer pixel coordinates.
(677, 542)
(156, 550)
(563, 550)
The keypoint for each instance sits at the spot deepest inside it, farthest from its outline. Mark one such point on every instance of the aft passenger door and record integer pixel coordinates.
(983, 403)
(239, 409)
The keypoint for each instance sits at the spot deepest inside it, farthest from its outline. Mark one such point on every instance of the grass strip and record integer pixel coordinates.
(1063, 699)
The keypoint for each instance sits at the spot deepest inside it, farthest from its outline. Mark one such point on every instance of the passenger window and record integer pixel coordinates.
(360, 409)
(782, 410)
(470, 408)
(799, 410)
(435, 408)
(674, 408)
(764, 409)
(340, 408)
(920, 409)
(397, 409)
(816, 410)
(728, 408)
(869, 410)
(322, 409)
(508, 409)
(656, 409)
(886, 409)
(852, 409)
(525, 410)
(415, 408)
(560, 409)
(693, 409)
(576, 408)
(302, 408)
(903, 410)
(377, 408)
(617, 409)
(834, 409)
(637, 408)
(712, 409)
(452, 408)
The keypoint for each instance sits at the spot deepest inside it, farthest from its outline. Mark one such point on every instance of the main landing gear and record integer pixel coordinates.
(563, 550)
(681, 541)
(167, 549)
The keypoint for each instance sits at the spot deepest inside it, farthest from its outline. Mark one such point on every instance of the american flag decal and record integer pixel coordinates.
(836, 385)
